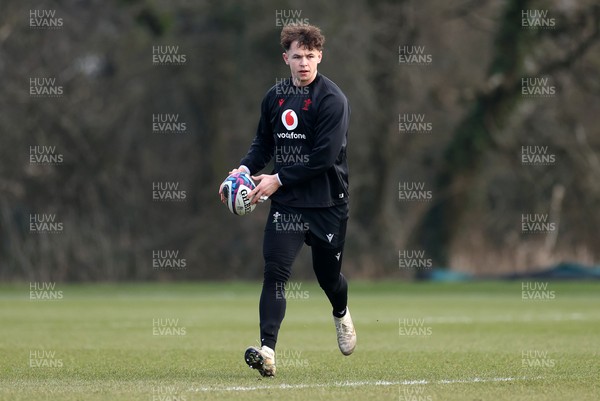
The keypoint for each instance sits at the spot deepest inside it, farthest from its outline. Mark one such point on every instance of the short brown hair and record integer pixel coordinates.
(308, 36)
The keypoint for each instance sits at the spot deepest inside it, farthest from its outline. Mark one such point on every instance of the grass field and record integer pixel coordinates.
(416, 342)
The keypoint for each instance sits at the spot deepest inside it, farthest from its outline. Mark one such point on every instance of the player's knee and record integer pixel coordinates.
(332, 285)
(275, 273)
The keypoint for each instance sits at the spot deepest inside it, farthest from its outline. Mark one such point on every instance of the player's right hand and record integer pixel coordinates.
(235, 170)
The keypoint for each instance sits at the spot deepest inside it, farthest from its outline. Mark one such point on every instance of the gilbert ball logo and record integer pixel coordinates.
(289, 119)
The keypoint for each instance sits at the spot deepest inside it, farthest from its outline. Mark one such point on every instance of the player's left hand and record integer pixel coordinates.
(268, 184)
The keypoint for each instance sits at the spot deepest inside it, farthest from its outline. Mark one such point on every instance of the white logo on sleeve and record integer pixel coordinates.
(329, 237)
(289, 119)
(337, 256)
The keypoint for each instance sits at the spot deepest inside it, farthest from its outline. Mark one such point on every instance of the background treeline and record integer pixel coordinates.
(470, 160)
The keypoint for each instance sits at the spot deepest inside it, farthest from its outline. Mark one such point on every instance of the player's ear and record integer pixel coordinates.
(319, 56)
(285, 58)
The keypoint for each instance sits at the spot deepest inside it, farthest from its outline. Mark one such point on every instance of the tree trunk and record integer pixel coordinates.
(474, 136)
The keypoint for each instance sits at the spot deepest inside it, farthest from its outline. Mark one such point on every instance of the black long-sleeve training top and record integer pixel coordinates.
(306, 130)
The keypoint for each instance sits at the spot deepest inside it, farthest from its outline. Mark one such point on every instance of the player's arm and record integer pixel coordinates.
(261, 149)
(263, 145)
(330, 135)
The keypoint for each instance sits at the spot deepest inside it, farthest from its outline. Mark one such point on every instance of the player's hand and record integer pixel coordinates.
(235, 170)
(268, 184)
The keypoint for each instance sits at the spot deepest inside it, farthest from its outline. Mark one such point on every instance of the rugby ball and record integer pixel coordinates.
(235, 189)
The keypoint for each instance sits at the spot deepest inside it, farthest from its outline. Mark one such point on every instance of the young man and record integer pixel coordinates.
(304, 125)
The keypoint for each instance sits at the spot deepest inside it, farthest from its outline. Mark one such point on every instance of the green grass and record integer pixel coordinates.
(103, 337)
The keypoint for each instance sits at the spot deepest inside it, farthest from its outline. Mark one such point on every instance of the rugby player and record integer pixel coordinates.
(304, 126)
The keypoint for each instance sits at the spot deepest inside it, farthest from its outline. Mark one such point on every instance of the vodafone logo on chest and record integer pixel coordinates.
(289, 119)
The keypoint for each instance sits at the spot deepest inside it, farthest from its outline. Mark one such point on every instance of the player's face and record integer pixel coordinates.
(303, 63)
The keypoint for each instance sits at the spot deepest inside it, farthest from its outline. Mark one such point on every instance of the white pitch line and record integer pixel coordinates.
(508, 319)
(530, 318)
(361, 383)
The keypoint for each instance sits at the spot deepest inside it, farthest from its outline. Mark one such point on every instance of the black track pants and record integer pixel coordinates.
(287, 229)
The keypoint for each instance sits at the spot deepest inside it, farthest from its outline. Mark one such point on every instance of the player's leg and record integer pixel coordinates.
(327, 238)
(279, 251)
(327, 264)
